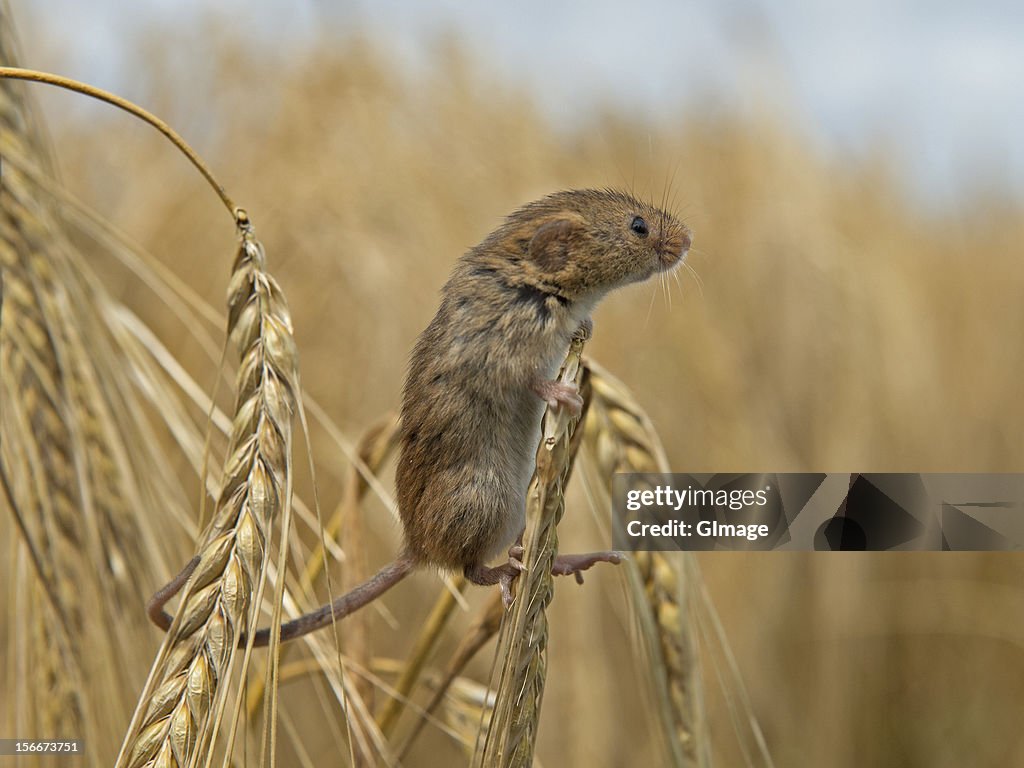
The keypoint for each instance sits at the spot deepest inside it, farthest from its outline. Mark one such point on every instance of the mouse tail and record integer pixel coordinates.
(350, 602)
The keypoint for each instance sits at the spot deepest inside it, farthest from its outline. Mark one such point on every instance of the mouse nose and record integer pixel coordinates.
(677, 243)
(686, 239)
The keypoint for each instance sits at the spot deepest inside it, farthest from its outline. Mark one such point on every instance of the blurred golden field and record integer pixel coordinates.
(832, 325)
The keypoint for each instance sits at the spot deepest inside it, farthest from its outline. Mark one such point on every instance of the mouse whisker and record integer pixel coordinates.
(650, 307)
(679, 285)
(669, 194)
(696, 278)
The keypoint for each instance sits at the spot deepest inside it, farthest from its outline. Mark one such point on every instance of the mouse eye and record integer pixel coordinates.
(639, 226)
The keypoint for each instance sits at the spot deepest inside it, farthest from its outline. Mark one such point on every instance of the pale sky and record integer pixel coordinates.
(939, 83)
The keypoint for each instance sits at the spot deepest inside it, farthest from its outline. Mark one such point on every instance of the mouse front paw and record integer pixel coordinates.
(560, 395)
(585, 331)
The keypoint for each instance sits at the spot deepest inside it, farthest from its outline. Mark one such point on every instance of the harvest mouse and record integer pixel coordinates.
(480, 376)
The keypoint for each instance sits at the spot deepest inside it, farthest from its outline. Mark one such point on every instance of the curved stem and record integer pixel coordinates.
(32, 75)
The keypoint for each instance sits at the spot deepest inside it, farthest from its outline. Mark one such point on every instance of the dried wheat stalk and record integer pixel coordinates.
(468, 709)
(621, 438)
(426, 642)
(37, 455)
(180, 711)
(68, 461)
(511, 737)
(486, 626)
(36, 446)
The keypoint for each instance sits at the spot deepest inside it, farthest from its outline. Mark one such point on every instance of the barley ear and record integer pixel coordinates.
(179, 715)
(511, 737)
(374, 448)
(620, 438)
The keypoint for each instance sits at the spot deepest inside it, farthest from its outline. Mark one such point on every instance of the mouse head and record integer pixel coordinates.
(590, 241)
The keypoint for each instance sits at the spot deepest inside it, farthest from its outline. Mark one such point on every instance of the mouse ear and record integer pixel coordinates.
(550, 244)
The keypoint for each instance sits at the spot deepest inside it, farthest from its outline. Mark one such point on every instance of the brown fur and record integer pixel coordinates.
(470, 413)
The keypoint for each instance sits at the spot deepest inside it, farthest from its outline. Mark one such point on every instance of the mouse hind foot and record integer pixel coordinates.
(502, 575)
(563, 565)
